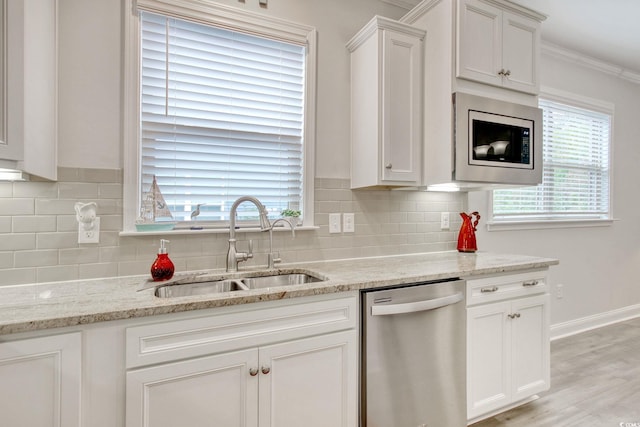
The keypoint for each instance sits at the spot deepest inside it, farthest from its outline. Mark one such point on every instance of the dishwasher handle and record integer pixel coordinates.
(416, 306)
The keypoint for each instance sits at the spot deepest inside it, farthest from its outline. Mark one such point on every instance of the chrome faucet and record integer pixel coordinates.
(233, 256)
(272, 260)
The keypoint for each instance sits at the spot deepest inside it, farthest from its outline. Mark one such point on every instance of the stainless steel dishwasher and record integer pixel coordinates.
(413, 371)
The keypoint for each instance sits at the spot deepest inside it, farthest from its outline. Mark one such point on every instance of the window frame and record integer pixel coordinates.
(578, 101)
(227, 17)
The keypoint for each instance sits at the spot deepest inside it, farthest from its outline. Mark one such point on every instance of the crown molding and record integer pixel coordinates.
(590, 62)
(404, 4)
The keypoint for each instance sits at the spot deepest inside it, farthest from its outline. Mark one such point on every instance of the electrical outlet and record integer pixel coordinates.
(89, 236)
(334, 223)
(444, 221)
(559, 291)
(348, 220)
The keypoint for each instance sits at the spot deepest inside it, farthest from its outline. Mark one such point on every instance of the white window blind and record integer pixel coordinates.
(222, 116)
(576, 171)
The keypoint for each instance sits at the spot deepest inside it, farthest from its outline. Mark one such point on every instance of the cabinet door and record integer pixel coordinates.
(479, 42)
(402, 107)
(531, 350)
(40, 381)
(488, 358)
(520, 46)
(310, 382)
(217, 390)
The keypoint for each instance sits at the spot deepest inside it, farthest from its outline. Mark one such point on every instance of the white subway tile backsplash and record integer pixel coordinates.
(78, 190)
(83, 255)
(38, 230)
(57, 273)
(35, 189)
(55, 206)
(5, 224)
(57, 240)
(17, 206)
(17, 241)
(35, 258)
(33, 224)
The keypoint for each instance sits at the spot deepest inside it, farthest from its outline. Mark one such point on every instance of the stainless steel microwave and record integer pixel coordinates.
(496, 142)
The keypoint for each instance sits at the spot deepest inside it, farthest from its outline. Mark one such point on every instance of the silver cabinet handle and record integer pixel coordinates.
(253, 372)
(531, 283)
(513, 315)
(388, 166)
(487, 290)
(507, 73)
(266, 370)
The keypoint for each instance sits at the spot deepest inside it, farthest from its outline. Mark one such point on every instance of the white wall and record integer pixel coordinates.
(599, 266)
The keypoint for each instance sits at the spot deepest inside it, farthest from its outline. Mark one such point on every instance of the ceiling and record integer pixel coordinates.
(604, 29)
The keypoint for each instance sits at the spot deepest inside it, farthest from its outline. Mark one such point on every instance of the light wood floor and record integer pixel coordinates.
(595, 382)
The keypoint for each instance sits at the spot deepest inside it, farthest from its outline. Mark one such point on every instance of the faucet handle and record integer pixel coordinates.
(250, 253)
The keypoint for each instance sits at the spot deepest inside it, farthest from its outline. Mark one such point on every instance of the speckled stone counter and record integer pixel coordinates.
(53, 305)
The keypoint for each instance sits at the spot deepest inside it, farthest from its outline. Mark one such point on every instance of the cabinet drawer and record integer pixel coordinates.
(496, 288)
(252, 325)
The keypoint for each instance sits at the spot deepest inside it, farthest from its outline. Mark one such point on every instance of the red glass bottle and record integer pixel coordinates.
(162, 268)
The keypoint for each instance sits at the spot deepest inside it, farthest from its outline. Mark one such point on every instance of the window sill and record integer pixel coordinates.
(187, 231)
(548, 224)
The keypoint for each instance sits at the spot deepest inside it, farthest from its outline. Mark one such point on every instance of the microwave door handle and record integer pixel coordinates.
(416, 306)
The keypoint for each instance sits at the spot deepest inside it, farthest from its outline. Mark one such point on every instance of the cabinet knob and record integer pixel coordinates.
(531, 283)
(253, 372)
(388, 166)
(266, 370)
(513, 315)
(507, 73)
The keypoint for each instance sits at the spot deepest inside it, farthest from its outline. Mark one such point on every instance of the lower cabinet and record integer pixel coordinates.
(508, 350)
(303, 381)
(41, 380)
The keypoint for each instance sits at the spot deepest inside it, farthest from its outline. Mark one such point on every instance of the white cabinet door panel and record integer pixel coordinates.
(311, 382)
(488, 357)
(520, 53)
(209, 391)
(531, 348)
(41, 379)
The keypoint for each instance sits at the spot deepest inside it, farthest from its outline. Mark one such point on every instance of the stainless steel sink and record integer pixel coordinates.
(199, 288)
(261, 282)
(204, 285)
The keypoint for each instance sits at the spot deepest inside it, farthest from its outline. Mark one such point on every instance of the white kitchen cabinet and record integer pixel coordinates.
(461, 57)
(274, 367)
(41, 381)
(497, 47)
(386, 104)
(508, 348)
(29, 139)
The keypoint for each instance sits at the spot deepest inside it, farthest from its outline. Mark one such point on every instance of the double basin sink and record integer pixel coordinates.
(211, 284)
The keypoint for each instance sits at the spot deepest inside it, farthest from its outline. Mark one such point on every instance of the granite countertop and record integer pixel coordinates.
(51, 305)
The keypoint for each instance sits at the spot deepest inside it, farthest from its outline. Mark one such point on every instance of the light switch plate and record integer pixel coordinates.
(444, 221)
(348, 223)
(89, 236)
(334, 223)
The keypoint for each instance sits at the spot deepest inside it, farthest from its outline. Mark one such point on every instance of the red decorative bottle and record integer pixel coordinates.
(162, 268)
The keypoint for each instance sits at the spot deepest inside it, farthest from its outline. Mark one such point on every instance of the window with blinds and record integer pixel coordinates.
(576, 143)
(222, 116)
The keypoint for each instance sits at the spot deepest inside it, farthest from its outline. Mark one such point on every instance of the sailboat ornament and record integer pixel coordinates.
(153, 206)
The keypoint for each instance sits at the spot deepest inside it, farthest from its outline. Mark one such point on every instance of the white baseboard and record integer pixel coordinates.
(572, 327)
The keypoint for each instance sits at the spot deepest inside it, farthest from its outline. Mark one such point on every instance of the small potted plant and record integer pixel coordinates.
(291, 216)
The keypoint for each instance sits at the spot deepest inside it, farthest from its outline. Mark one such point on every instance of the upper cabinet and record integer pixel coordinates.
(497, 46)
(386, 104)
(28, 141)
